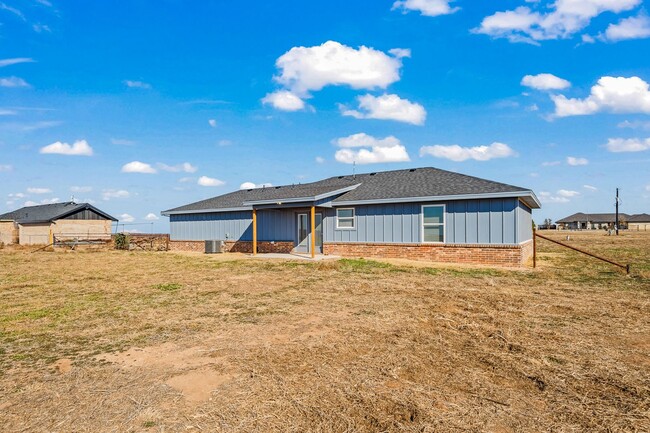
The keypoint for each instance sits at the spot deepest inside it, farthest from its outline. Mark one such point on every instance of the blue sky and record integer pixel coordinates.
(142, 106)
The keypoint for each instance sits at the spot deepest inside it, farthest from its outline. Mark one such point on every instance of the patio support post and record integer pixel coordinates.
(313, 232)
(254, 232)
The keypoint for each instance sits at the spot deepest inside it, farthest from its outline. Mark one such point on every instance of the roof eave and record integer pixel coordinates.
(532, 201)
(215, 210)
(302, 199)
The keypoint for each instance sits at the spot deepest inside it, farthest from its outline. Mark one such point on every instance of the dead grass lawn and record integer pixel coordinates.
(115, 341)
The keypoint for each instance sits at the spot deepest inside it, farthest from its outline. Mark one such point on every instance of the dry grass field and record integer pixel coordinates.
(117, 341)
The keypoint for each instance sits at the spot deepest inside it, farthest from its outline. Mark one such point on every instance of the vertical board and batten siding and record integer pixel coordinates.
(272, 225)
(524, 223)
(396, 223)
(85, 214)
(211, 226)
(494, 221)
(482, 221)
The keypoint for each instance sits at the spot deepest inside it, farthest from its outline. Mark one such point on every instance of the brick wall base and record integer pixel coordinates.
(499, 255)
(235, 246)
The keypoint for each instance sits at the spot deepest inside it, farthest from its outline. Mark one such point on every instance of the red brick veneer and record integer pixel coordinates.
(501, 255)
(235, 246)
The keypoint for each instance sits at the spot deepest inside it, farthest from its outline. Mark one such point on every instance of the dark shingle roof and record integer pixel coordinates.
(593, 217)
(386, 185)
(49, 212)
(639, 218)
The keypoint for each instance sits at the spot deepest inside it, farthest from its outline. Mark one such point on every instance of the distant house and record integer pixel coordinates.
(423, 213)
(639, 222)
(594, 221)
(39, 225)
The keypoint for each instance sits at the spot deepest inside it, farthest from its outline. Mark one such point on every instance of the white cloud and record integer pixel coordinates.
(628, 144)
(547, 197)
(108, 194)
(138, 167)
(572, 160)
(613, 94)
(387, 107)
(17, 195)
(137, 84)
(212, 123)
(630, 28)
(81, 188)
(551, 163)
(320, 160)
(566, 18)
(30, 203)
(39, 190)
(40, 28)
(186, 179)
(13, 82)
(15, 61)
(284, 100)
(209, 181)
(126, 218)
(647, 188)
(590, 188)
(545, 82)
(478, 153)
(151, 217)
(50, 200)
(636, 124)
(122, 142)
(430, 8)
(252, 185)
(5, 168)
(185, 167)
(5, 112)
(79, 148)
(371, 150)
(224, 143)
(567, 193)
(305, 69)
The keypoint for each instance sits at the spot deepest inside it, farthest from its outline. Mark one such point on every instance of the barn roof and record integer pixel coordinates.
(414, 184)
(50, 212)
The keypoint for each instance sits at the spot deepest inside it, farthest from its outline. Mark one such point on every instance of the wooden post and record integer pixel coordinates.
(254, 231)
(534, 247)
(50, 238)
(313, 232)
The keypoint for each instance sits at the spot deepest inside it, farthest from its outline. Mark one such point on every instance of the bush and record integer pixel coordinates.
(121, 241)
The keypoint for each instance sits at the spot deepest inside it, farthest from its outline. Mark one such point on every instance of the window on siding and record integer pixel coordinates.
(433, 223)
(345, 218)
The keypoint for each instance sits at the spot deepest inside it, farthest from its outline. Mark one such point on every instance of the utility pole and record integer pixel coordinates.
(616, 222)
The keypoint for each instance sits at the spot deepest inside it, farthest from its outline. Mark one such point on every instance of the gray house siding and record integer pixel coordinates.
(494, 221)
(272, 225)
(524, 223)
(489, 221)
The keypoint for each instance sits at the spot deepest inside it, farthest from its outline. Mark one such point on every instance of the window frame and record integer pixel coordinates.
(353, 218)
(443, 224)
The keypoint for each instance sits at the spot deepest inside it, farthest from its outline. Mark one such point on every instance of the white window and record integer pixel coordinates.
(345, 218)
(433, 223)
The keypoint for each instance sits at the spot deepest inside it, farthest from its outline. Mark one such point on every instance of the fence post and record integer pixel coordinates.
(534, 248)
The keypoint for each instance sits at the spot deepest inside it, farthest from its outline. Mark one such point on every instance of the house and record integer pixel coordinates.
(423, 213)
(594, 221)
(40, 225)
(639, 222)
